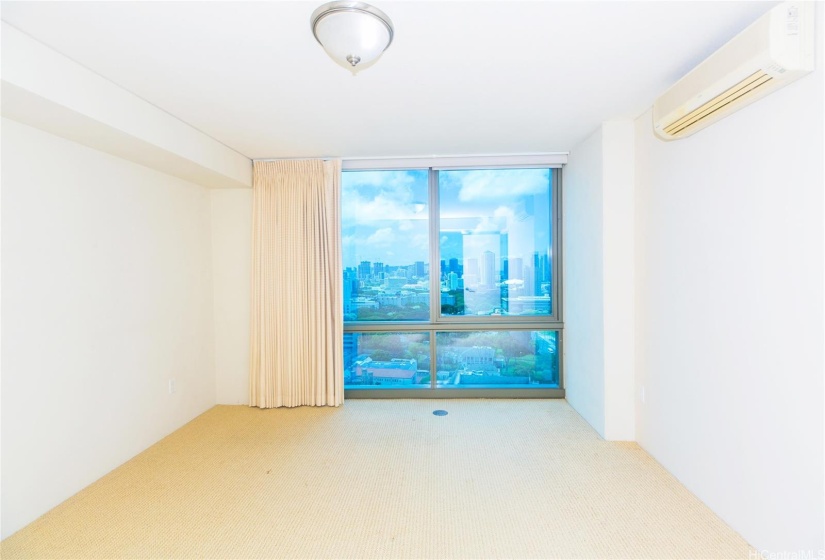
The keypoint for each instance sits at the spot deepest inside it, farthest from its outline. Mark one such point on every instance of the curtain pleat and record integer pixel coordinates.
(296, 331)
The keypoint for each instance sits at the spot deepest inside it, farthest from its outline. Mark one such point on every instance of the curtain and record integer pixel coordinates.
(297, 310)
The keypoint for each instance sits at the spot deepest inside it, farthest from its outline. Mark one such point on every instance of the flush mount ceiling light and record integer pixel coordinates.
(354, 34)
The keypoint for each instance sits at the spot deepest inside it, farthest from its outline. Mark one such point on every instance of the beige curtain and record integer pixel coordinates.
(297, 311)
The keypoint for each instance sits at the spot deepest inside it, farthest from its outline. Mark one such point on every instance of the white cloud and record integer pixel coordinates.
(498, 184)
(491, 225)
(420, 241)
(386, 205)
(504, 212)
(383, 236)
(370, 196)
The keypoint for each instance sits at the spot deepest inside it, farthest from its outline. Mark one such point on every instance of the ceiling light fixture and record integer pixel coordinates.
(354, 34)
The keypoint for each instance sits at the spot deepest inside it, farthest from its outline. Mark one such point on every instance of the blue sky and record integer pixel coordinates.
(384, 213)
(384, 217)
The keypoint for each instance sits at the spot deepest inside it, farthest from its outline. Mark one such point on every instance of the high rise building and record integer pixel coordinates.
(351, 285)
(420, 269)
(542, 273)
(472, 267)
(364, 270)
(529, 281)
(394, 283)
(378, 271)
(488, 269)
(516, 269)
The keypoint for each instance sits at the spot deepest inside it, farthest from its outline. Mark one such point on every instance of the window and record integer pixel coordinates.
(451, 281)
(387, 358)
(496, 358)
(495, 242)
(385, 242)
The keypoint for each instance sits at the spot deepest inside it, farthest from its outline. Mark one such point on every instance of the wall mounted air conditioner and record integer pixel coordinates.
(775, 50)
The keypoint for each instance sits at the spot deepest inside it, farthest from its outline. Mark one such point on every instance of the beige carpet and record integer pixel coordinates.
(384, 479)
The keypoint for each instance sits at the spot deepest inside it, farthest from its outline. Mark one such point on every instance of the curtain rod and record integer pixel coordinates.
(425, 157)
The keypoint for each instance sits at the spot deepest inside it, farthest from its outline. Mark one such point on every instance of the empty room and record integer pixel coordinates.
(412, 279)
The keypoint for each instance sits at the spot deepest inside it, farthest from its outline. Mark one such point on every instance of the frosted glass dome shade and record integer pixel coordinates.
(353, 34)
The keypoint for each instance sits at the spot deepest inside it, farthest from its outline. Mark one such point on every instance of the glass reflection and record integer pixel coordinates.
(495, 242)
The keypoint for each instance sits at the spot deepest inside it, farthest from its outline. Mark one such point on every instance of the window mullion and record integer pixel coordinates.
(433, 364)
(435, 268)
(435, 272)
(558, 251)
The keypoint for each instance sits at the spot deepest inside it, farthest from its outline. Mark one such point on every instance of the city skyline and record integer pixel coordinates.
(377, 291)
(385, 214)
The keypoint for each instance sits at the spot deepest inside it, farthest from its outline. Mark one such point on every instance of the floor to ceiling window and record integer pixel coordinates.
(452, 282)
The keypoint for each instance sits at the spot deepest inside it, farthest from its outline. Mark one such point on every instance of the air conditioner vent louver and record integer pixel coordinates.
(722, 101)
(775, 50)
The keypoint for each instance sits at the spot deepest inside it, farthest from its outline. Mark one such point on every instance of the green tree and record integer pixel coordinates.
(418, 351)
(381, 355)
(514, 344)
(524, 366)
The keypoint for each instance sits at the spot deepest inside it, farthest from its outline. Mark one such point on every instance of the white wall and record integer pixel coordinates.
(618, 176)
(730, 314)
(599, 285)
(107, 294)
(45, 89)
(583, 281)
(232, 264)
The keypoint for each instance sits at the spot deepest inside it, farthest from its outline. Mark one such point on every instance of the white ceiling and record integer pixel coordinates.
(496, 77)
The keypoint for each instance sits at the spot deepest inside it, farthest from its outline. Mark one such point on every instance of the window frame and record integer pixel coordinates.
(446, 323)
